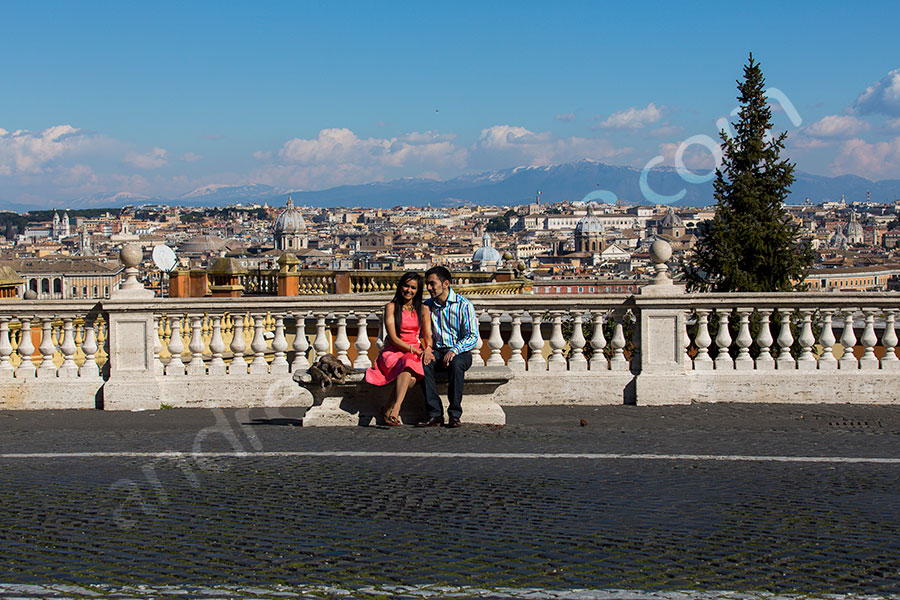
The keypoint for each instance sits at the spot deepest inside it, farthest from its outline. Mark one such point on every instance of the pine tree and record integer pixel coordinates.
(751, 245)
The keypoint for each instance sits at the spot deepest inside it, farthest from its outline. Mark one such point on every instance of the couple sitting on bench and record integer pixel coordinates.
(447, 325)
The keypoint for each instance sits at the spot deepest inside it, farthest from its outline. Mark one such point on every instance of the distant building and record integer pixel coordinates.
(290, 229)
(67, 278)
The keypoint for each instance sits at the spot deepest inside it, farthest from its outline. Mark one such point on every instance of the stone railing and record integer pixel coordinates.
(660, 346)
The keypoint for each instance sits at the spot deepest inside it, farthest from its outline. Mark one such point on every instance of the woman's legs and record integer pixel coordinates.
(401, 386)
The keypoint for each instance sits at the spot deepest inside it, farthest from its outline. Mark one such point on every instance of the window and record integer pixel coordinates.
(74, 291)
(96, 291)
(45, 286)
(581, 290)
(84, 291)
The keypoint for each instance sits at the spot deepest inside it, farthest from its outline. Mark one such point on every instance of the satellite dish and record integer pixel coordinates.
(164, 258)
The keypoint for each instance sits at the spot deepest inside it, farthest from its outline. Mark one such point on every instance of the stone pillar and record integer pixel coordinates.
(661, 338)
(179, 284)
(132, 383)
(199, 283)
(226, 275)
(342, 283)
(288, 275)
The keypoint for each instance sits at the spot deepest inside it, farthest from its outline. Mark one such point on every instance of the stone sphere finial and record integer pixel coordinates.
(131, 255)
(660, 251)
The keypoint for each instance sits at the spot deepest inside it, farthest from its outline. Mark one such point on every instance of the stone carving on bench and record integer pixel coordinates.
(355, 402)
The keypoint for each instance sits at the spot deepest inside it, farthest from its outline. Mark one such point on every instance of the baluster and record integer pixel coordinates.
(618, 362)
(702, 361)
(279, 346)
(477, 359)
(175, 367)
(516, 343)
(848, 341)
(6, 369)
(785, 361)
(196, 346)
(889, 362)
(362, 341)
(158, 367)
(217, 348)
(743, 361)
(577, 361)
(47, 348)
(598, 344)
(536, 360)
(238, 345)
(827, 362)
(301, 344)
(25, 350)
(89, 368)
(806, 361)
(382, 333)
(258, 366)
(868, 360)
(765, 361)
(320, 344)
(495, 341)
(68, 368)
(723, 342)
(341, 341)
(557, 362)
(686, 338)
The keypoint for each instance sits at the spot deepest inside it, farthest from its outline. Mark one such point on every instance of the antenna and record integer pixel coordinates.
(164, 259)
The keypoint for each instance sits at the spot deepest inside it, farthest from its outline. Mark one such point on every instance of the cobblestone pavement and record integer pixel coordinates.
(265, 524)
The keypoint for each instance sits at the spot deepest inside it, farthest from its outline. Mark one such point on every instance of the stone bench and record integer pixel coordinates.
(356, 402)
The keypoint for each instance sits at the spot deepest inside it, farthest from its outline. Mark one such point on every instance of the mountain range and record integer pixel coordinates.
(519, 185)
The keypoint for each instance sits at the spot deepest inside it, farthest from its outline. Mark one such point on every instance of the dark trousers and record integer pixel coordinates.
(456, 373)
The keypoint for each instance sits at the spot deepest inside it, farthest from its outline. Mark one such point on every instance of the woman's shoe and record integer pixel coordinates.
(389, 419)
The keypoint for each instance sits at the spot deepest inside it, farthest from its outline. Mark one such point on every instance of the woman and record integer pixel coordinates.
(406, 322)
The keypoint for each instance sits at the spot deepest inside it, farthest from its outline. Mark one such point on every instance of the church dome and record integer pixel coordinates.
(290, 221)
(671, 220)
(589, 223)
(854, 230)
(487, 254)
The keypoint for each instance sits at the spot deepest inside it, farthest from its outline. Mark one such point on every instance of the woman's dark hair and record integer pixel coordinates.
(398, 299)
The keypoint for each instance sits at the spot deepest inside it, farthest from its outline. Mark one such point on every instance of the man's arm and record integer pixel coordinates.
(468, 330)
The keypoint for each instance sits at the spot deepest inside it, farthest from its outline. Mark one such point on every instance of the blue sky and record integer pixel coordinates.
(162, 98)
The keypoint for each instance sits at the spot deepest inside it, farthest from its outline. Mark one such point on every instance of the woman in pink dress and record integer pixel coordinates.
(407, 322)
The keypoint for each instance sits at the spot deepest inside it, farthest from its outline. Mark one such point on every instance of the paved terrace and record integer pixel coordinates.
(700, 501)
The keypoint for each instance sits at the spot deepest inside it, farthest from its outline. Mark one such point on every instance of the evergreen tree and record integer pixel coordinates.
(751, 245)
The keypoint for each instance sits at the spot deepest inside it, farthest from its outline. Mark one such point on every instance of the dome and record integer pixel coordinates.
(487, 254)
(671, 220)
(289, 221)
(589, 223)
(854, 230)
(202, 244)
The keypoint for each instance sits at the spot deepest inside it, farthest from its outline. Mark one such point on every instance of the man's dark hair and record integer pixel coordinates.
(442, 273)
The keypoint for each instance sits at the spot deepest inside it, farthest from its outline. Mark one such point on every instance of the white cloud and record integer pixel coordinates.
(262, 155)
(191, 157)
(505, 145)
(893, 124)
(565, 117)
(837, 126)
(25, 152)
(694, 156)
(875, 161)
(154, 159)
(667, 130)
(343, 148)
(632, 118)
(881, 97)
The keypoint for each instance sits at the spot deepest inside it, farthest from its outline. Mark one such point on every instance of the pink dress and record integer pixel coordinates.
(392, 361)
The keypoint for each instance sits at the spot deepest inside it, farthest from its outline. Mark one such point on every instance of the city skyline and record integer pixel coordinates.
(161, 100)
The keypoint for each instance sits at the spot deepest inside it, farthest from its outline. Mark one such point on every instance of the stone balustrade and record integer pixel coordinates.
(660, 346)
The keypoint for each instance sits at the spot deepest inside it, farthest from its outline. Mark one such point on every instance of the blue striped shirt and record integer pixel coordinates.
(454, 325)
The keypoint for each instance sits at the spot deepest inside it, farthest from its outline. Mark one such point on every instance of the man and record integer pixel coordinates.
(454, 330)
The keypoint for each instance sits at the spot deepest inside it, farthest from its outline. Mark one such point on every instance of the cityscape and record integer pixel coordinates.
(438, 301)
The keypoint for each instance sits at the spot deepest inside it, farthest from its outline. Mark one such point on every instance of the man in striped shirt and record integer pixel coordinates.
(454, 329)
